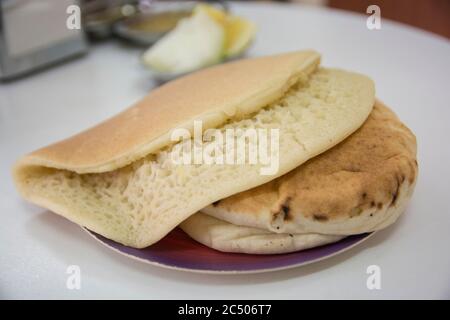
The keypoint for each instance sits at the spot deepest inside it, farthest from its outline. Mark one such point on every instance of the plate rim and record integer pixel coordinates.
(226, 272)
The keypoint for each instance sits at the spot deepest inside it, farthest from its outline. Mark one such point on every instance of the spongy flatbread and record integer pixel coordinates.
(227, 237)
(360, 185)
(140, 203)
(213, 95)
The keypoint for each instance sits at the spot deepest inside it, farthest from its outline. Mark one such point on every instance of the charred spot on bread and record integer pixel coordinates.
(320, 217)
(282, 212)
(396, 192)
(216, 203)
(286, 209)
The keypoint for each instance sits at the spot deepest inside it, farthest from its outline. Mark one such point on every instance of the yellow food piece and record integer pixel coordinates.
(238, 35)
(239, 32)
(217, 14)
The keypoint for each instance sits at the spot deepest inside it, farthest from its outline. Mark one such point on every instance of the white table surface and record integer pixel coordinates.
(411, 69)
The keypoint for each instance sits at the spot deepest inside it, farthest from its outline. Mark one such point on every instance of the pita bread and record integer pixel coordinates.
(227, 237)
(361, 185)
(119, 180)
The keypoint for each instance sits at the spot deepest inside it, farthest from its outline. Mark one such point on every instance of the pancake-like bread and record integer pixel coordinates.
(214, 95)
(360, 185)
(118, 178)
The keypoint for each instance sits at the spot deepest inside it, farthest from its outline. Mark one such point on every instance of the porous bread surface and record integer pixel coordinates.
(138, 204)
(227, 237)
(360, 185)
(213, 95)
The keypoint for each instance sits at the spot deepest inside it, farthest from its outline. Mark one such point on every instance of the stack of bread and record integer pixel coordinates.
(347, 165)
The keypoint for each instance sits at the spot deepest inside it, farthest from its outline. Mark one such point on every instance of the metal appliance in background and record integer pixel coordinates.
(34, 34)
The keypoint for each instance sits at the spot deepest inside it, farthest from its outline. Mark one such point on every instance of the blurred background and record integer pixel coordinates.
(36, 34)
(430, 15)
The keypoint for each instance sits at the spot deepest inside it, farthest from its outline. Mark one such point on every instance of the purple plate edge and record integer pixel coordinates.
(333, 249)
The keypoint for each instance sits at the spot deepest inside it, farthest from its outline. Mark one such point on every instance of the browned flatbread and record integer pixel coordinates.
(360, 185)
